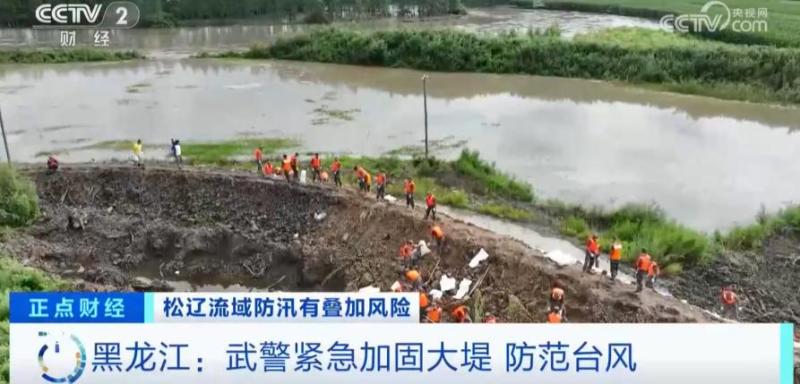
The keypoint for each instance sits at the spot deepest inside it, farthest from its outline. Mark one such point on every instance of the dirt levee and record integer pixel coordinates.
(146, 229)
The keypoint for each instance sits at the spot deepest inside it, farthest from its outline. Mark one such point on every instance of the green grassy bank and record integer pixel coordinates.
(783, 17)
(652, 58)
(60, 56)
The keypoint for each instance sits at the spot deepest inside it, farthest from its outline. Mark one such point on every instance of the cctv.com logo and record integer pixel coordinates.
(116, 15)
(716, 16)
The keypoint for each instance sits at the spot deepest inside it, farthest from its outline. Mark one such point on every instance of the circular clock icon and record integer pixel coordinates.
(69, 354)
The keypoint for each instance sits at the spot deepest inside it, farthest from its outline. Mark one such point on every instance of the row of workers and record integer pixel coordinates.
(290, 169)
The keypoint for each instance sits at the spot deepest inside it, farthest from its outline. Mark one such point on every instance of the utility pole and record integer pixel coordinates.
(425, 104)
(5, 142)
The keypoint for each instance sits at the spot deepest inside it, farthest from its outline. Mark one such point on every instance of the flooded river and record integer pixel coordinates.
(708, 163)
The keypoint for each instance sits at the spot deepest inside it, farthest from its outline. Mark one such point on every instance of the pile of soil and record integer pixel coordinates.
(766, 281)
(233, 228)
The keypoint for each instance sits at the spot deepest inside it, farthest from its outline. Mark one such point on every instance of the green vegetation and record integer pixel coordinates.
(222, 153)
(60, 56)
(211, 153)
(752, 237)
(15, 277)
(656, 58)
(637, 226)
(469, 164)
(19, 204)
(783, 17)
(505, 211)
(453, 182)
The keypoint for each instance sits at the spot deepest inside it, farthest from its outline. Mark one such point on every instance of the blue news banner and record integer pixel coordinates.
(361, 338)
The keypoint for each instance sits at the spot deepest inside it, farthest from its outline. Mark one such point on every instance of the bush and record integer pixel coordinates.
(19, 204)
(15, 277)
(455, 198)
(575, 227)
(470, 164)
(505, 211)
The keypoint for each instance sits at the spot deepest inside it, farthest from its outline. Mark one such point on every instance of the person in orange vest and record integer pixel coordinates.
(557, 296)
(430, 202)
(336, 168)
(367, 181)
(423, 300)
(434, 313)
(286, 167)
(406, 250)
(409, 187)
(489, 319)
(361, 174)
(414, 278)
(258, 154)
(652, 274)
(615, 256)
(461, 314)
(293, 162)
(380, 183)
(730, 301)
(316, 168)
(438, 238)
(554, 317)
(592, 253)
(642, 266)
(268, 169)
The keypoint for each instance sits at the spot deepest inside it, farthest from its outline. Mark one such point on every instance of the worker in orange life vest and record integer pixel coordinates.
(430, 202)
(293, 163)
(268, 169)
(461, 314)
(438, 238)
(380, 183)
(592, 253)
(652, 274)
(556, 297)
(553, 317)
(615, 256)
(433, 314)
(258, 154)
(409, 187)
(286, 167)
(642, 267)
(730, 301)
(316, 168)
(336, 168)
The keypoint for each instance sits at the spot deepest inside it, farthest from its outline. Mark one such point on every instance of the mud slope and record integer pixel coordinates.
(225, 228)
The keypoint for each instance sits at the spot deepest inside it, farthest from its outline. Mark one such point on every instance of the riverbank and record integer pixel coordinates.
(66, 55)
(640, 57)
(782, 17)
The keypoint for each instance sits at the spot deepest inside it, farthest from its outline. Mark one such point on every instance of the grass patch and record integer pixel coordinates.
(678, 62)
(783, 16)
(751, 237)
(224, 152)
(470, 164)
(15, 277)
(19, 204)
(205, 153)
(505, 211)
(455, 198)
(636, 226)
(59, 56)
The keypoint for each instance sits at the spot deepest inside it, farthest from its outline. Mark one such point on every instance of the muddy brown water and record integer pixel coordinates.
(709, 163)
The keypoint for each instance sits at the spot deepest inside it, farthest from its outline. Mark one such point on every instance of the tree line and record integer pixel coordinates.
(20, 13)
